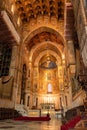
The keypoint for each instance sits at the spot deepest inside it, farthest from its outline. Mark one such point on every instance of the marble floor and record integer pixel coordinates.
(53, 124)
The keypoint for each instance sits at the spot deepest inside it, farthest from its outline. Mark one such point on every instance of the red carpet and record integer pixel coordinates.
(25, 118)
(70, 124)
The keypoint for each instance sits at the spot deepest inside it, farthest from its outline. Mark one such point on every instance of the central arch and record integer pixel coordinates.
(41, 48)
(43, 29)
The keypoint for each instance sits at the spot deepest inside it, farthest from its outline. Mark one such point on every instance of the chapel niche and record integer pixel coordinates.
(48, 75)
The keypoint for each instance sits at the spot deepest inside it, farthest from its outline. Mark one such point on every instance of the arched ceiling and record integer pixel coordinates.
(28, 9)
(44, 37)
(31, 9)
(44, 56)
(46, 48)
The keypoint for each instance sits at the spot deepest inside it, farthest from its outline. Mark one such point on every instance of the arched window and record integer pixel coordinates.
(49, 88)
(5, 59)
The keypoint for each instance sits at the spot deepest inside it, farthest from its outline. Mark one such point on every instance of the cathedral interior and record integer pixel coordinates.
(43, 54)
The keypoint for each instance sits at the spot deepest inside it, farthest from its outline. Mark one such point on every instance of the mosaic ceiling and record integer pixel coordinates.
(44, 37)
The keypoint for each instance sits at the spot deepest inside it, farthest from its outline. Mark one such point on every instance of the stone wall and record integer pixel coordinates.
(81, 26)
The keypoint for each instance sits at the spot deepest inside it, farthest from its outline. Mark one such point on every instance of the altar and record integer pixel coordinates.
(34, 112)
(50, 106)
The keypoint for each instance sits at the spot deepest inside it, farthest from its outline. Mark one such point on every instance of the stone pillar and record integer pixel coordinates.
(28, 79)
(26, 100)
(84, 54)
(71, 53)
(71, 63)
(70, 95)
(19, 78)
(2, 4)
(30, 76)
(15, 71)
(71, 69)
(27, 88)
(31, 82)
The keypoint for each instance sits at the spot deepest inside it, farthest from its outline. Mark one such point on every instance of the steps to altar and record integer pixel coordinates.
(44, 112)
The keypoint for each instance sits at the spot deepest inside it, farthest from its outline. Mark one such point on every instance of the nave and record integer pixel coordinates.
(43, 63)
(53, 124)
